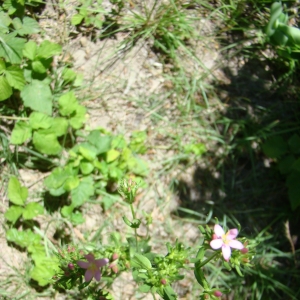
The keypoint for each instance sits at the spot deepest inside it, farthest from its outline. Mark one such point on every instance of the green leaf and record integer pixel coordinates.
(285, 164)
(101, 142)
(2, 66)
(59, 126)
(112, 155)
(197, 149)
(293, 184)
(77, 218)
(26, 26)
(17, 194)
(30, 50)
(48, 49)
(141, 262)
(108, 202)
(37, 95)
(88, 151)
(68, 75)
(77, 19)
(31, 210)
(138, 166)
(15, 77)
(71, 183)
(275, 147)
(294, 143)
(144, 288)
(13, 213)
(58, 177)
(22, 238)
(39, 67)
(169, 293)
(83, 192)
(21, 133)
(5, 88)
(39, 120)
(67, 104)
(11, 48)
(77, 120)
(46, 142)
(67, 211)
(86, 167)
(5, 21)
(118, 142)
(44, 271)
(198, 272)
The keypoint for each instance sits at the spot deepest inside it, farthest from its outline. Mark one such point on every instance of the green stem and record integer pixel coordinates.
(208, 260)
(135, 231)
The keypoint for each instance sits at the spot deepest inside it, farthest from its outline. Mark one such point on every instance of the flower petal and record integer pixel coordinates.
(218, 230)
(232, 234)
(88, 276)
(97, 275)
(83, 264)
(226, 252)
(90, 257)
(216, 244)
(101, 262)
(235, 244)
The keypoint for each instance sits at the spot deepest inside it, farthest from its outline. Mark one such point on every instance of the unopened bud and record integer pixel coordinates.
(214, 236)
(114, 268)
(115, 256)
(71, 266)
(163, 281)
(217, 294)
(244, 250)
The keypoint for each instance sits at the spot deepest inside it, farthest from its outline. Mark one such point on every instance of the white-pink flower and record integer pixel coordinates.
(92, 267)
(225, 241)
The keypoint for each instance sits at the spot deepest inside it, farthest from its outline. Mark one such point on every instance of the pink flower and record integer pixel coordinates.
(92, 267)
(225, 241)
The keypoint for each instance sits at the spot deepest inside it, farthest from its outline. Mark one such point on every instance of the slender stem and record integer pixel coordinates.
(208, 260)
(13, 118)
(135, 231)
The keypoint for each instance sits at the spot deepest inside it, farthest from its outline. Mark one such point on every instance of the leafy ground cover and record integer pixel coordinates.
(196, 100)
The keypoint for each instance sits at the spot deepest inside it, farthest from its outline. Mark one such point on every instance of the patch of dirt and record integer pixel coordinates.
(123, 90)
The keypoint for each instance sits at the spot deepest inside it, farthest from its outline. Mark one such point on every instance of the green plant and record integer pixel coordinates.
(18, 196)
(287, 155)
(91, 13)
(92, 167)
(166, 25)
(44, 267)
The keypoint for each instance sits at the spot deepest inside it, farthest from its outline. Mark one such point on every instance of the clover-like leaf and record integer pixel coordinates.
(21, 133)
(37, 95)
(17, 194)
(13, 213)
(5, 88)
(46, 142)
(32, 210)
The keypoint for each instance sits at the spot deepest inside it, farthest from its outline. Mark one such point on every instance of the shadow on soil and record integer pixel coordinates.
(250, 189)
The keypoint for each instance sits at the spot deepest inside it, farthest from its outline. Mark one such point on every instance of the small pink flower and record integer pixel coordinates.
(92, 267)
(225, 241)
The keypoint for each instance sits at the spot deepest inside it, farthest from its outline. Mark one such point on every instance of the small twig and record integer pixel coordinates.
(13, 118)
(290, 239)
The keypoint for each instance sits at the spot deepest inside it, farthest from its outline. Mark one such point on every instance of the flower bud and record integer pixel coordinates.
(71, 266)
(217, 294)
(163, 281)
(244, 250)
(115, 256)
(114, 268)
